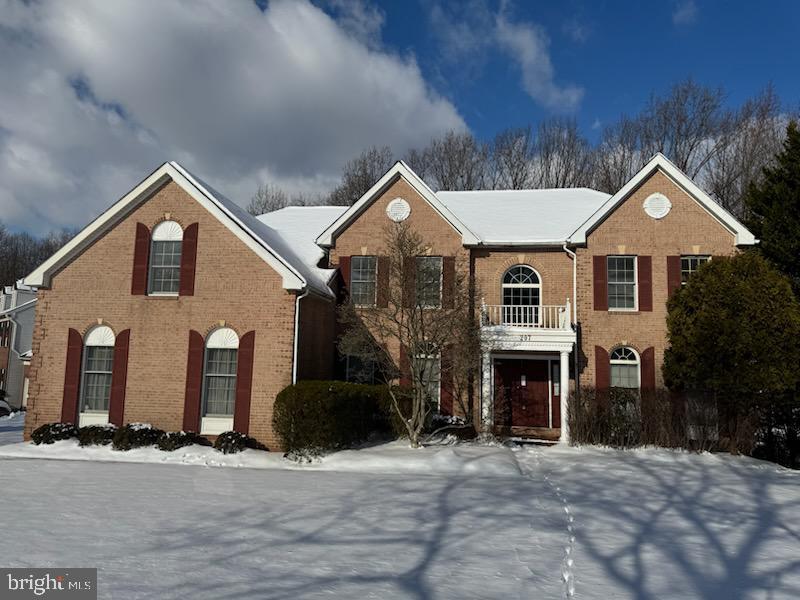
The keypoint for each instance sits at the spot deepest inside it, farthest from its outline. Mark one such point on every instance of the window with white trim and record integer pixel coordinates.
(2, 379)
(429, 368)
(690, 264)
(621, 282)
(164, 277)
(625, 368)
(219, 373)
(5, 333)
(363, 279)
(429, 281)
(521, 295)
(97, 368)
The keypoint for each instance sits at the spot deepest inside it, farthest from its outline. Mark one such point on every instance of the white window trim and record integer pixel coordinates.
(708, 258)
(635, 283)
(220, 338)
(637, 362)
(437, 357)
(102, 336)
(165, 231)
(375, 289)
(539, 286)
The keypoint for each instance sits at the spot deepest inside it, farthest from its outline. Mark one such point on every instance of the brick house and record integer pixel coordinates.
(17, 309)
(177, 308)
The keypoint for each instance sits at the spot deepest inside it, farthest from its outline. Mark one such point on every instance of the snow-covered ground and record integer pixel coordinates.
(390, 522)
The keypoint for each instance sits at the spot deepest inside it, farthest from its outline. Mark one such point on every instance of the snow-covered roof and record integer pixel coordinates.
(296, 272)
(524, 217)
(299, 227)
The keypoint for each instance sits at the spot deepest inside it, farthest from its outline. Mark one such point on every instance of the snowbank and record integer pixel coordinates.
(395, 457)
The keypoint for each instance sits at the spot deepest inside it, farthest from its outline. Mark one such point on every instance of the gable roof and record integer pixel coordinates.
(399, 169)
(524, 217)
(261, 239)
(743, 236)
(299, 226)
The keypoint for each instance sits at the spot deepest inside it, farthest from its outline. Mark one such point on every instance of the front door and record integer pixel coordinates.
(522, 393)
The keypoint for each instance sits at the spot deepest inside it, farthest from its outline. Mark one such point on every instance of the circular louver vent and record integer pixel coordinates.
(657, 206)
(398, 210)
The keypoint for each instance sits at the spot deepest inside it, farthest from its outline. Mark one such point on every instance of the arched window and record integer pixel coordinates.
(625, 368)
(521, 295)
(165, 258)
(219, 380)
(96, 369)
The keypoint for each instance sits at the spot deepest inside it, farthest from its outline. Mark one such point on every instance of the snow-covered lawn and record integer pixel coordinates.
(391, 522)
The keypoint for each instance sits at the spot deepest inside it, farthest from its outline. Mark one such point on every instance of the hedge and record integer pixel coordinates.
(53, 432)
(328, 415)
(136, 435)
(231, 442)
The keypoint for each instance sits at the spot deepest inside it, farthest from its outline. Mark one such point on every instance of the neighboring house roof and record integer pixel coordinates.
(524, 217)
(399, 169)
(743, 237)
(300, 226)
(264, 241)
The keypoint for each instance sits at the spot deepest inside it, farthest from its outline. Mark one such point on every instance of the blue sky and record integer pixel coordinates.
(617, 52)
(96, 94)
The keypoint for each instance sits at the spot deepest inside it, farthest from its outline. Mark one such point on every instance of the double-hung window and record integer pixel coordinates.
(625, 368)
(622, 282)
(363, 278)
(690, 264)
(97, 369)
(429, 281)
(165, 259)
(220, 382)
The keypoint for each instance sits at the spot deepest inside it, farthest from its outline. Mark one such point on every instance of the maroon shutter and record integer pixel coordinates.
(602, 369)
(244, 382)
(600, 278)
(344, 269)
(448, 280)
(673, 274)
(649, 369)
(645, 282)
(141, 254)
(194, 382)
(446, 382)
(119, 378)
(405, 367)
(409, 281)
(72, 377)
(383, 281)
(188, 260)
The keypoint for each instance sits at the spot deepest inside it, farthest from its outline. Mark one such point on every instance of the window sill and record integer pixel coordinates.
(163, 295)
(215, 425)
(624, 311)
(92, 418)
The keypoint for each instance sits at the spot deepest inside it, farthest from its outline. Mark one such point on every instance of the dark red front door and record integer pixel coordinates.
(521, 393)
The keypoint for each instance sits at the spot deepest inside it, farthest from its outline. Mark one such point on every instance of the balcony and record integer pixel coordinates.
(539, 317)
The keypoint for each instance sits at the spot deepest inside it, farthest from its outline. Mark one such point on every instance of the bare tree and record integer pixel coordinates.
(268, 198)
(360, 174)
(563, 157)
(512, 155)
(421, 315)
(757, 137)
(455, 161)
(21, 253)
(618, 156)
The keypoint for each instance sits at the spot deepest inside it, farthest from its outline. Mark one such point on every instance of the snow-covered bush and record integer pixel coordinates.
(96, 435)
(52, 432)
(173, 440)
(232, 442)
(327, 415)
(135, 435)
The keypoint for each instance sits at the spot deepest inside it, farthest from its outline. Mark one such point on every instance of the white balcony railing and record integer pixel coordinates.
(540, 316)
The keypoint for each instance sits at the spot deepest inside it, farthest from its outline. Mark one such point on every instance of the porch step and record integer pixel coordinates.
(534, 441)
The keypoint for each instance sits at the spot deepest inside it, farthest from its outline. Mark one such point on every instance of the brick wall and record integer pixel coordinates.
(687, 229)
(232, 285)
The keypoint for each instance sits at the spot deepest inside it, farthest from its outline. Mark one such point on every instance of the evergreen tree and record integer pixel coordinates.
(734, 334)
(773, 209)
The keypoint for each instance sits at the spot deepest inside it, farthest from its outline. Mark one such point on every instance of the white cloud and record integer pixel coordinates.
(467, 33)
(685, 13)
(96, 94)
(578, 32)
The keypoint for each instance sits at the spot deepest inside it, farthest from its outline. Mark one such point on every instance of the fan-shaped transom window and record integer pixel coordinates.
(165, 258)
(521, 295)
(97, 367)
(624, 368)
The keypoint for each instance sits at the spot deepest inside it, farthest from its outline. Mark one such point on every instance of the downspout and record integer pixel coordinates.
(297, 333)
(574, 258)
